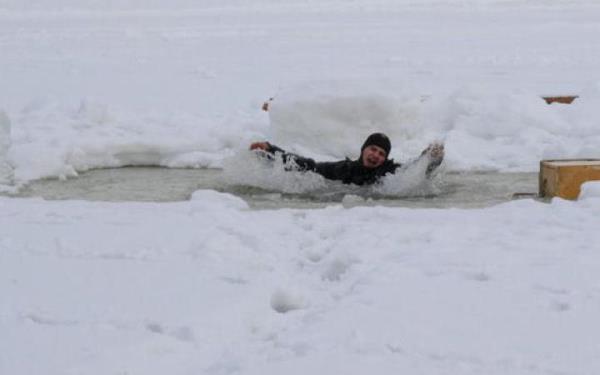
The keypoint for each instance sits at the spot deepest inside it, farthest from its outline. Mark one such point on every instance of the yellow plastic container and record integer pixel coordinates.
(563, 178)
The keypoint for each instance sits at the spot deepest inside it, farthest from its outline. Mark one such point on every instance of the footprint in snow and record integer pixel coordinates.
(337, 268)
(283, 302)
(477, 276)
(560, 306)
(181, 333)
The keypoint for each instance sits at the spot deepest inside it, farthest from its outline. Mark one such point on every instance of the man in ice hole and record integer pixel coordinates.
(372, 164)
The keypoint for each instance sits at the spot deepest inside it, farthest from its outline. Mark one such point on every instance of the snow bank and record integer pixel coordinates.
(334, 118)
(483, 129)
(57, 140)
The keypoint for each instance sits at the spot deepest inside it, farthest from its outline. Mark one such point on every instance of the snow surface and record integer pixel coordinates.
(209, 286)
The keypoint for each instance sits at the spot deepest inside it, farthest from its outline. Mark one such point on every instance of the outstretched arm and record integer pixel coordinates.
(435, 152)
(304, 164)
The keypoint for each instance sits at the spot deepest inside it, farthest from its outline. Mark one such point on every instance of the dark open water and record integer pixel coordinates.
(462, 190)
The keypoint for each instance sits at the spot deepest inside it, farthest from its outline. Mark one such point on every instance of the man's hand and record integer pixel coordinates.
(435, 151)
(259, 146)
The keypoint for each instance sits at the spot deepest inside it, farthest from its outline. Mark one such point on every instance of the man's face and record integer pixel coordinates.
(373, 156)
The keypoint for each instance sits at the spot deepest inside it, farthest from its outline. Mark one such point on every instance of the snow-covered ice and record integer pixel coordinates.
(210, 286)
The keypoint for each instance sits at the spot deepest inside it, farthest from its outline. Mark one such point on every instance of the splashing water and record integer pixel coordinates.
(410, 180)
(273, 174)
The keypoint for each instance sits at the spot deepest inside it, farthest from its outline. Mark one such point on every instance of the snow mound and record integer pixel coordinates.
(283, 301)
(483, 128)
(590, 189)
(53, 139)
(214, 200)
(334, 118)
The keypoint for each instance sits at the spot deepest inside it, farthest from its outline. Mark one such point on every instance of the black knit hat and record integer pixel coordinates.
(378, 139)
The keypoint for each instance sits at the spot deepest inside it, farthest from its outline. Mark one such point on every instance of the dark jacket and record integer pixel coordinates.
(347, 171)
